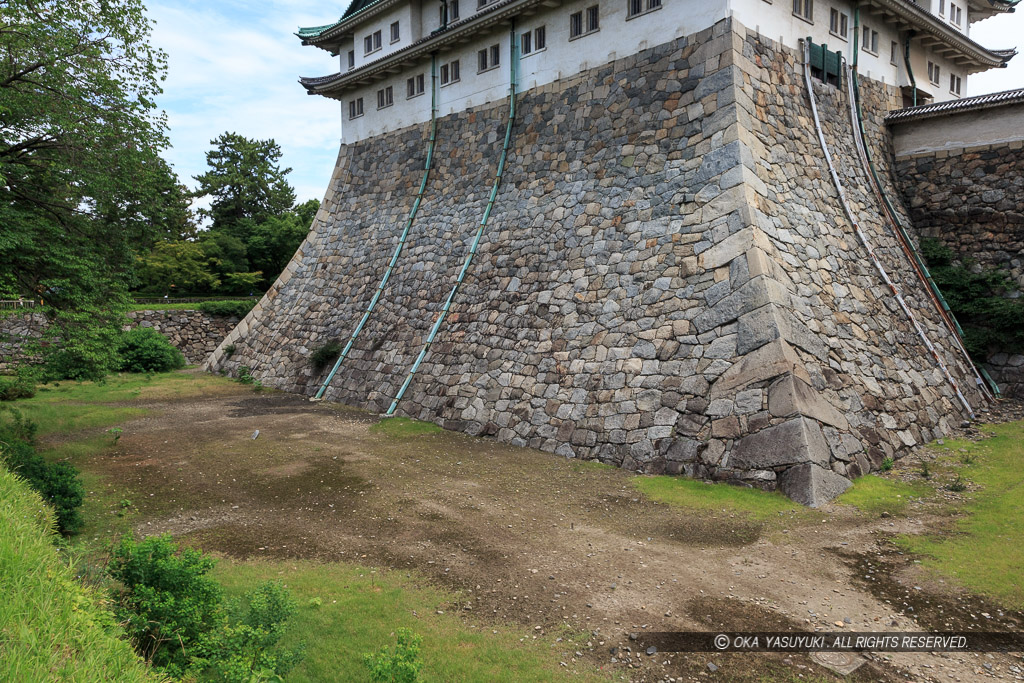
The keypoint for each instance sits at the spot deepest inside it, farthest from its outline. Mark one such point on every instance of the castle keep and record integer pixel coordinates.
(658, 233)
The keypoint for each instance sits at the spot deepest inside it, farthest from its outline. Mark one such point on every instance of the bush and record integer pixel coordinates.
(168, 603)
(402, 665)
(143, 349)
(57, 483)
(21, 385)
(227, 309)
(325, 355)
(178, 620)
(980, 300)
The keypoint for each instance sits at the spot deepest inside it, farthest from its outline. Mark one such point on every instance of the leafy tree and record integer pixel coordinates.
(80, 176)
(183, 265)
(245, 182)
(273, 242)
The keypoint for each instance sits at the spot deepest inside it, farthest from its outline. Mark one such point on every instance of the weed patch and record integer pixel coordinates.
(689, 493)
(875, 495)
(985, 549)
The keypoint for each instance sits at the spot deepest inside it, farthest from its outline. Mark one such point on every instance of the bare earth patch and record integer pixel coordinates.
(530, 538)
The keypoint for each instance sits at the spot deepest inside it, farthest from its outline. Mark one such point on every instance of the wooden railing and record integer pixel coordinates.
(13, 304)
(191, 299)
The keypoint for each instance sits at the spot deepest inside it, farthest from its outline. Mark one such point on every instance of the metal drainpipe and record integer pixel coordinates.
(805, 48)
(906, 60)
(401, 240)
(889, 213)
(513, 76)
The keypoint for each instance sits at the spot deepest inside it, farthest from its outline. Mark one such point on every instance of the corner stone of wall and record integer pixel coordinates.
(676, 292)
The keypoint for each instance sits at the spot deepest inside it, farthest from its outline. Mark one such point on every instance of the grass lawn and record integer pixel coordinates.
(403, 427)
(874, 495)
(691, 493)
(984, 550)
(346, 611)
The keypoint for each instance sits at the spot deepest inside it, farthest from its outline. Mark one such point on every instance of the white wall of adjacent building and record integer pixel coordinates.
(617, 36)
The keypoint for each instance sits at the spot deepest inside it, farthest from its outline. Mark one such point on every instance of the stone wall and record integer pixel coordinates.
(668, 282)
(972, 200)
(197, 334)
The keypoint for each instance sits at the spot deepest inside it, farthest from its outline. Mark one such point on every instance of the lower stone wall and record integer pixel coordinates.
(195, 333)
(668, 281)
(1007, 370)
(972, 200)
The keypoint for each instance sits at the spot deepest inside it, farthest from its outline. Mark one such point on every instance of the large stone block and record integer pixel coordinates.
(791, 396)
(811, 485)
(797, 441)
(771, 360)
(760, 326)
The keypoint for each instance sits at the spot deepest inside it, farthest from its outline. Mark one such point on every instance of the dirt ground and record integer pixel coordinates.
(538, 540)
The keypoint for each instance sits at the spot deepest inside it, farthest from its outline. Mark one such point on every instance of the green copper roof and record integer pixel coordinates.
(358, 6)
(314, 31)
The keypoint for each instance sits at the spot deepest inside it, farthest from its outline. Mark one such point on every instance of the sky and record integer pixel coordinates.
(234, 67)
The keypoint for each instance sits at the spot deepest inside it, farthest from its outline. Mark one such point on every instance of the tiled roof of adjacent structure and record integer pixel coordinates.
(923, 111)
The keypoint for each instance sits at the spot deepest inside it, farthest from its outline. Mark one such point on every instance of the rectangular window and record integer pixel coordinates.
(414, 86)
(371, 43)
(526, 43)
(634, 7)
(540, 38)
(593, 19)
(453, 10)
(942, 8)
(395, 37)
(355, 108)
(450, 72)
(933, 73)
(575, 25)
(488, 58)
(894, 53)
(870, 40)
(653, 4)
(954, 84)
(956, 14)
(804, 9)
(838, 23)
(385, 97)
(351, 59)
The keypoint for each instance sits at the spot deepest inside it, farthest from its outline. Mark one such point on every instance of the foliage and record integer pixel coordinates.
(401, 665)
(887, 463)
(324, 355)
(178, 620)
(54, 627)
(228, 309)
(143, 349)
(81, 181)
(246, 648)
(167, 602)
(20, 385)
(980, 299)
(245, 183)
(245, 377)
(183, 266)
(57, 483)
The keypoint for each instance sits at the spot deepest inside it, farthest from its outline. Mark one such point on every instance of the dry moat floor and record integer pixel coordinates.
(562, 566)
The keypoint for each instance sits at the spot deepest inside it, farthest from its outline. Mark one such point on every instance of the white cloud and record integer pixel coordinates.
(234, 67)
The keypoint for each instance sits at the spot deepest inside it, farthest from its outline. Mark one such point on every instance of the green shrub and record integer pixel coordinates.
(143, 349)
(401, 665)
(178, 620)
(21, 385)
(245, 649)
(979, 298)
(168, 603)
(325, 355)
(57, 483)
(227, 309)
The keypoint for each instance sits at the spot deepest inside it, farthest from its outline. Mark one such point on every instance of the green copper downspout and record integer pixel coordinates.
(906, 60)
(513, 75)
(402, 239)
(894, 219)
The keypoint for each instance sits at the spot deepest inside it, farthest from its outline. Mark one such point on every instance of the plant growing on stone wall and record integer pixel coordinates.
(229, 350)
(324, 355)
(985, 301)
(887, 464)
